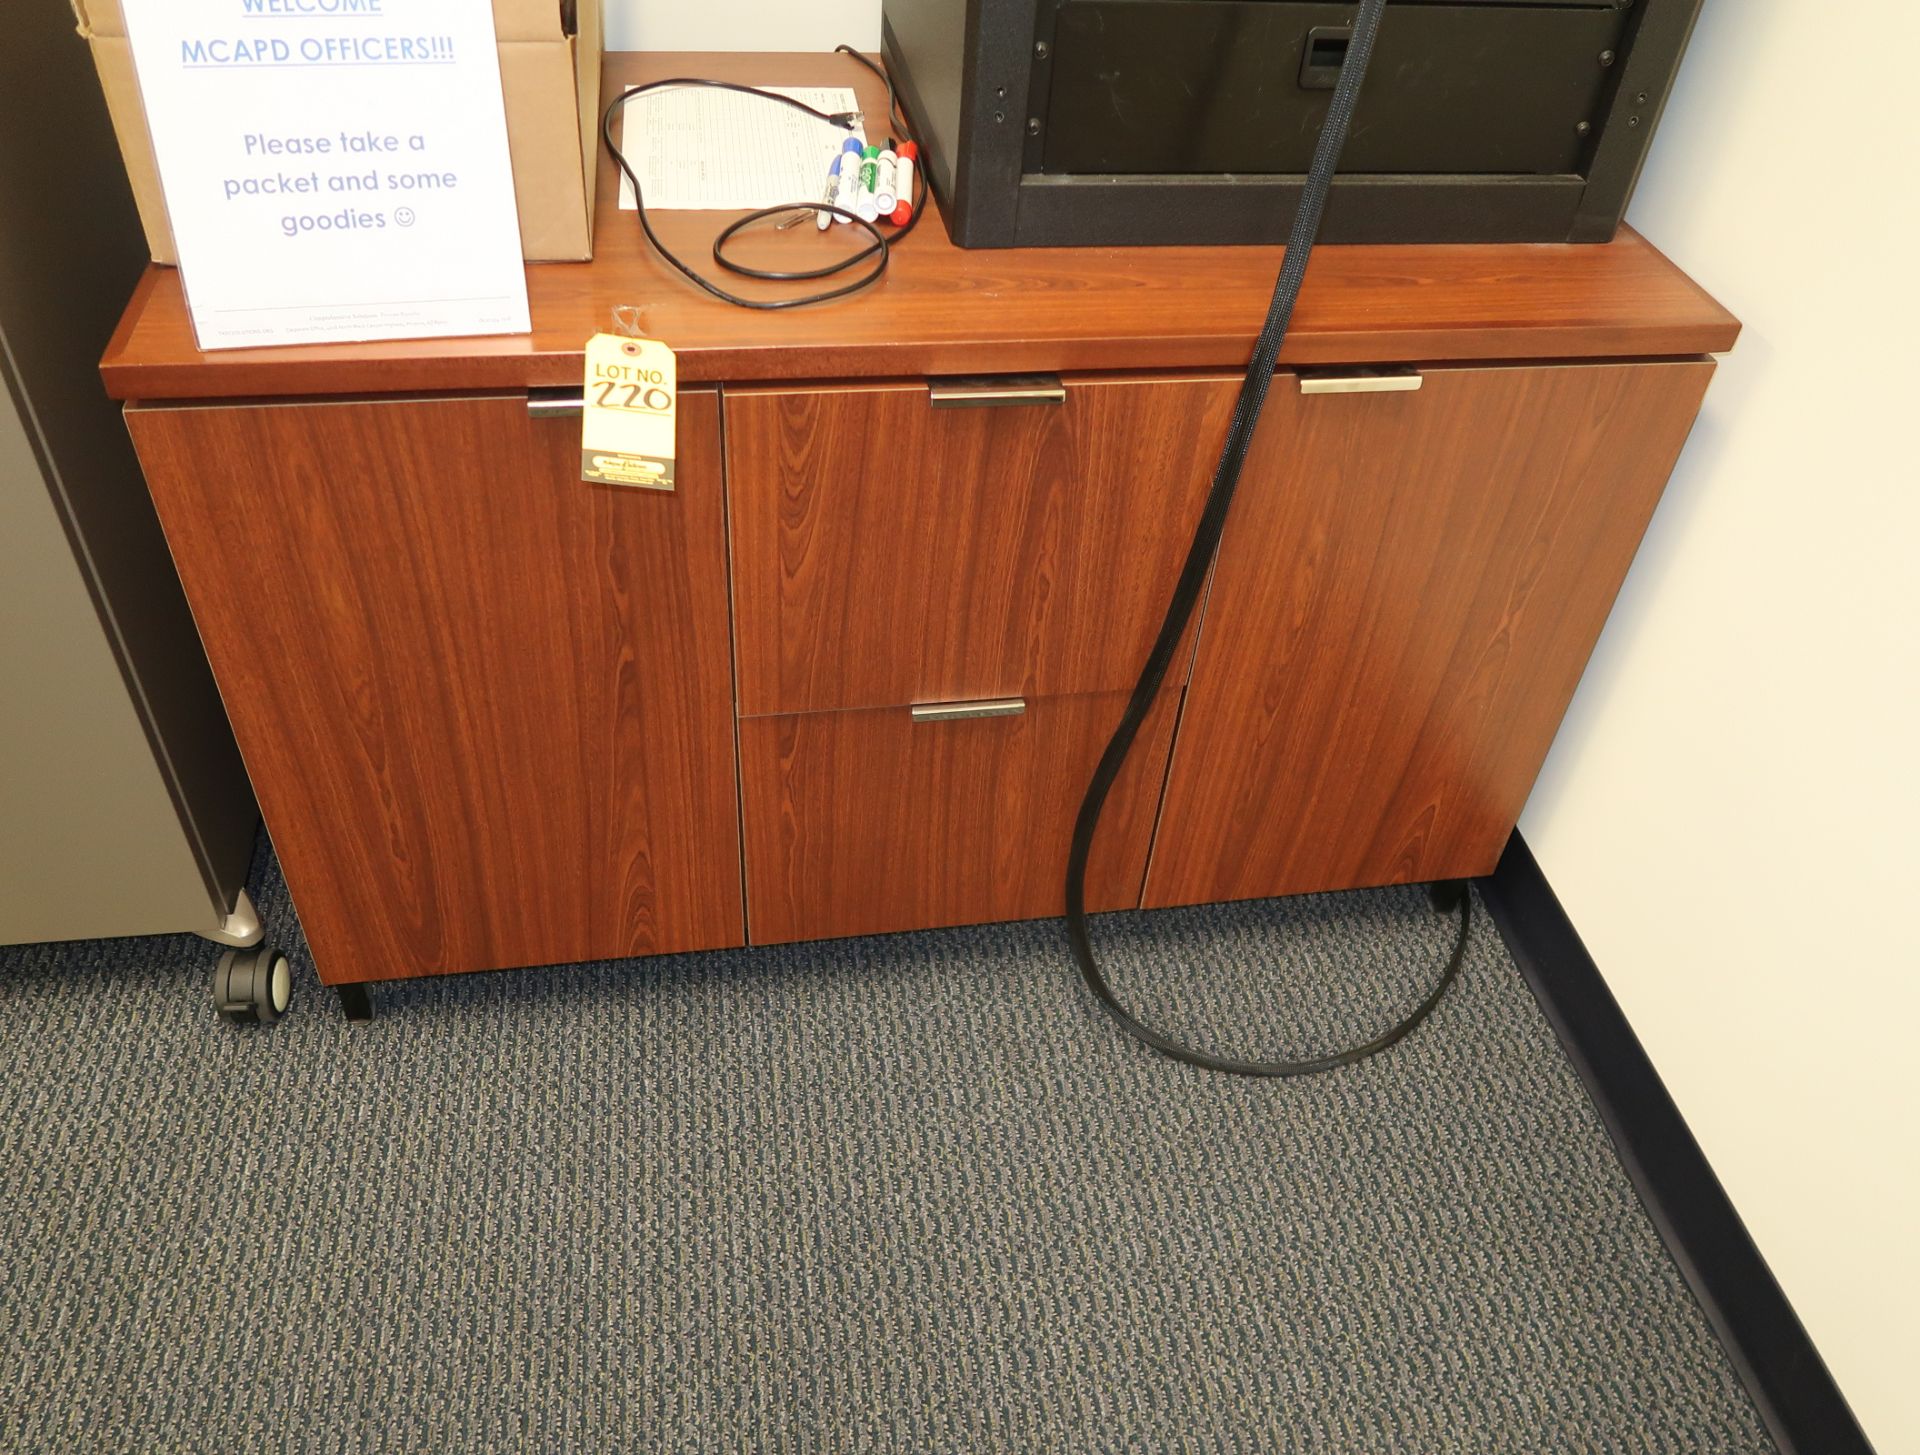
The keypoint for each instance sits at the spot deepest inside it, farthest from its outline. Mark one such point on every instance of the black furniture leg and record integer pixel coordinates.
(355, 1002)
(1445, 894)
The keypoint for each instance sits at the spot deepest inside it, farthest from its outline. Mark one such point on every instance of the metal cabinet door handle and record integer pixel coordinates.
(996, 391)
(555, 403)
(958, 711)
(1403, 382)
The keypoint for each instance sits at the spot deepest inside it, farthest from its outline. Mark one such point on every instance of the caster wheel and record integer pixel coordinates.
(252, 987)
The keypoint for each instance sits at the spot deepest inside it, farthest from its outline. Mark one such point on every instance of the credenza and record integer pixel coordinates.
(852, 674)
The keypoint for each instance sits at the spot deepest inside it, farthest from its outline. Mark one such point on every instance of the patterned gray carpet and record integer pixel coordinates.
(901, 1194)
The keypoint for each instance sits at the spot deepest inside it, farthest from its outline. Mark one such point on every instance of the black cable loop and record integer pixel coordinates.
(1186, 595)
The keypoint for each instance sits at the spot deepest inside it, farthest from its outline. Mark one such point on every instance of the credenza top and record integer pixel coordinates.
(947, 310)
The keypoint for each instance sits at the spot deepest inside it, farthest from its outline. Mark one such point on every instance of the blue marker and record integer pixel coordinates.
(847, 185)
(822, 218)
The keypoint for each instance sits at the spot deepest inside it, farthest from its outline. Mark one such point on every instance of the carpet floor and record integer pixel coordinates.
(910, 1193)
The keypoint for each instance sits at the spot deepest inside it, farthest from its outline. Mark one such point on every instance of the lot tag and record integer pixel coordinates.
(627, 425)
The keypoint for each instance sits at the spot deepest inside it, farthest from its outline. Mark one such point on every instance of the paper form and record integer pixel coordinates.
(702, 148)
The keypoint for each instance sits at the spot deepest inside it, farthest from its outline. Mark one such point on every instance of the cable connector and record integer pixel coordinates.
(846, 120)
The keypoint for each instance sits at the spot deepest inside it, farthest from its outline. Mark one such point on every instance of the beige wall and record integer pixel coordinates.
(742, 25)
(1732, 812)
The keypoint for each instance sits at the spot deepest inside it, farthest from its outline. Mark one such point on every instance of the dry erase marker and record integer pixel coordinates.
(864, 204)
(821, 217)
(848, 192)
(883, 199)
(903, 183)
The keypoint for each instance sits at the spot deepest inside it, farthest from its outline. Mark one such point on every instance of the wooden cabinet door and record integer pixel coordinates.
(868, 821)
(1409, 587)
(889, 551)
(486, 707)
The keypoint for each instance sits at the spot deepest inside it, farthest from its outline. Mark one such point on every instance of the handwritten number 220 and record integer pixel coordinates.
(632, 401)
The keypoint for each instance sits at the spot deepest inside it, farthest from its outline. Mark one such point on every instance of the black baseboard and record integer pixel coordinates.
(1797, 1397)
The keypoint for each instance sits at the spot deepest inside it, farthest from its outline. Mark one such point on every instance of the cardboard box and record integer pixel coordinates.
(551, 79)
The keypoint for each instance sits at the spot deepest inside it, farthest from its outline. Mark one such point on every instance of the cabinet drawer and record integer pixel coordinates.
(869, 821)
(887, 550)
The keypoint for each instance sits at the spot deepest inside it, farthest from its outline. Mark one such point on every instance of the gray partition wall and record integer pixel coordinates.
(124, 808)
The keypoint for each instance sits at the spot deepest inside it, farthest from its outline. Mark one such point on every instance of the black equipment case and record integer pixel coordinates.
(1066, 122)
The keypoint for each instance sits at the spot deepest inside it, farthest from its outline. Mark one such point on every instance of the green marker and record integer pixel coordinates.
(865, 204)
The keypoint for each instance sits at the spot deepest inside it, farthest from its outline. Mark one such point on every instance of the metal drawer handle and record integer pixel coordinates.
(1403, 383)
(555, 403)
(995, 391)
(957, 711)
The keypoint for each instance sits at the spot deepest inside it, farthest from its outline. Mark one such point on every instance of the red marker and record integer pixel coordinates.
(903, 182)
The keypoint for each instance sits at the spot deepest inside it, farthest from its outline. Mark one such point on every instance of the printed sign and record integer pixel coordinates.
(333, 169)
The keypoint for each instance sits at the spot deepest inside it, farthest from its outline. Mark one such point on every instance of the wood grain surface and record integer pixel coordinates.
(1408, 591)
(944, 310)
(887, 552)
(866, 822)
(487, 707)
